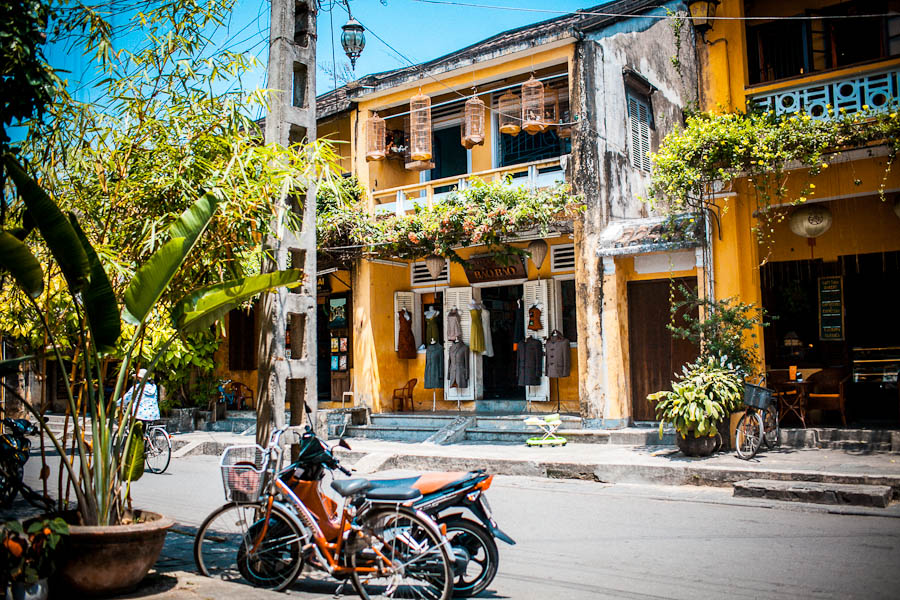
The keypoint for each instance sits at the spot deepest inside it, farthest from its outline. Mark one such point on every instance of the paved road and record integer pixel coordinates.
(585, 540)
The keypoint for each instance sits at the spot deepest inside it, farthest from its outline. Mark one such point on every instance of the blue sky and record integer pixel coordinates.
(422, 31)
(418, 29)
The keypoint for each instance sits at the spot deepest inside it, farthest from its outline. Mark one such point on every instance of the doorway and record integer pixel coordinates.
(499, 370)
(655, 355)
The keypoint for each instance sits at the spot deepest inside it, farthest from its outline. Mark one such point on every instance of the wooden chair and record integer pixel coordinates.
(403, 394)
(827, 391)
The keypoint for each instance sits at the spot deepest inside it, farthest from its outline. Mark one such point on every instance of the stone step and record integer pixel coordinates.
(853, 435)
(411, 420)
(575, 436)
(851, 446)
(814, 492)
(395, 434)
(641, 436)
(517, 422)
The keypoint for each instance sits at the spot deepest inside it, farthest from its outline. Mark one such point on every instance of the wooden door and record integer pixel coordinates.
(654, 355)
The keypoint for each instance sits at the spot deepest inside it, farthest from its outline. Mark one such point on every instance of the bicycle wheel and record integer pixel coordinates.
(407, 556)
(157, 450)
(236, 542)
(10, 477)
(772, 428)
(748, 435)
(471, 542)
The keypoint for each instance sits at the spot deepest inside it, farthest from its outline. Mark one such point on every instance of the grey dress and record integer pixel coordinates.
(434, 367)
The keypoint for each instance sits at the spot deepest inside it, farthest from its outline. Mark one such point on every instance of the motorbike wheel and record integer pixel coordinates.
(10, 476)
(482, 557)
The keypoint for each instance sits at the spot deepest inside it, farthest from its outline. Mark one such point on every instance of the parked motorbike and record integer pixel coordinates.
(14, 450)
(445, 497)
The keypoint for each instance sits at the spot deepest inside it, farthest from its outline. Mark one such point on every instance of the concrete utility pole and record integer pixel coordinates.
(289, 379)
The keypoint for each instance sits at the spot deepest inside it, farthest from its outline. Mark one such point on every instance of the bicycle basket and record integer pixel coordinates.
(244, 472)
(757, 396)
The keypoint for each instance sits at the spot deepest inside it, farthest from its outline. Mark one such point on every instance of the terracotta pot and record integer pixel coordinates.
(697, 446)
(106, 560)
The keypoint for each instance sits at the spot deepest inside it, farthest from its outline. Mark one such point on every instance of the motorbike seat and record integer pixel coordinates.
(393, 494)
(350, 487)
(427, 483)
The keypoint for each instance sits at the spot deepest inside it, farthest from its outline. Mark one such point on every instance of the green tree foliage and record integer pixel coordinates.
(171, 122)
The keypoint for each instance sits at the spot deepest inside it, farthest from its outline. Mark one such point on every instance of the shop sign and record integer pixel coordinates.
(482, 269)
(831, 309)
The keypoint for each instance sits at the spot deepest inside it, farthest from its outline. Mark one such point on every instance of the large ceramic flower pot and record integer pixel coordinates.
(696, 446)
(106, 560)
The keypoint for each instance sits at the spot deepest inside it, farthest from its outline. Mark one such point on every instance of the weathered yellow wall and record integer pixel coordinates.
(337, 130)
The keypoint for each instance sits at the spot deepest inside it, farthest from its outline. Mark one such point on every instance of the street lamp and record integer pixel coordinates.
(353, 40)
(702, 14)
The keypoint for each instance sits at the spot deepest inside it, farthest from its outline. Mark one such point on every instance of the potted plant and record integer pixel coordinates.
(105, 530)
(28, 556)
(705, 392)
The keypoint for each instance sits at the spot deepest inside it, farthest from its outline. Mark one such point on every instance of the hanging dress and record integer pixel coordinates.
(488, 338)
(432, 331)
(476, 334)
(406, 343)
(434, 367)
(454, 326)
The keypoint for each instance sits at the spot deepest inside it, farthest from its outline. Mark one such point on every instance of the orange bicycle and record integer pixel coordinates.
(267, 533)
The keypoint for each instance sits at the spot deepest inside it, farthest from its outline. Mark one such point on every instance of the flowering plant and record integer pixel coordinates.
(28, 551)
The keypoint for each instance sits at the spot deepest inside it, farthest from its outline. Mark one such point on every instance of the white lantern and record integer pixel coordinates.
(435, 265)
(538, 251)
(811, 221)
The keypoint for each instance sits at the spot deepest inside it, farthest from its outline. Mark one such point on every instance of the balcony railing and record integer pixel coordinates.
(533, 175)
(877, 90)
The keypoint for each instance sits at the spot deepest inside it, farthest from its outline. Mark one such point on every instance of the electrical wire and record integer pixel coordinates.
(592, 13)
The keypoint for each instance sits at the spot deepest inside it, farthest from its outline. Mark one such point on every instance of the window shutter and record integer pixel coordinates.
(537, 292)
(419, 274)
(402, 300)
(639, 125)
(459, 298)
(562, 257)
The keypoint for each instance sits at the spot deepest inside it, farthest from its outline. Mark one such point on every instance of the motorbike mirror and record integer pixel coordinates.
(343, 444)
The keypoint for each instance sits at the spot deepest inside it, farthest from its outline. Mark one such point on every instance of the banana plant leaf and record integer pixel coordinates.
(152, 279)
(203, 307)
(16, 258)
(55, 228)
(99, 299)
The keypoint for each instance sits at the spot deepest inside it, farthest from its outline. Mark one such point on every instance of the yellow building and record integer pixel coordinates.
(834, 296)
(610, 82)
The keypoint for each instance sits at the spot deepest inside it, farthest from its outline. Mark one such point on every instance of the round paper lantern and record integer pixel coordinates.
(811, 221)
(473, 124)
(375, 139)
(538, 251)
(533, 106)
(420, 128)
(435, 265)
(510, 117)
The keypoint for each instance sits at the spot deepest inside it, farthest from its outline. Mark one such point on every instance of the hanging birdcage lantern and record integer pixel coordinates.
(435, 265)
(551, 106)
(420, 128)
(473, 122)
(510, 117)
(538, 251)
(533, 106)
(375, 138)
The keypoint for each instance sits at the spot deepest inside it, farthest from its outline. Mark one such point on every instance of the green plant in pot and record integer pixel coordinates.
(100, 472)
(706, 391)
(28, 553)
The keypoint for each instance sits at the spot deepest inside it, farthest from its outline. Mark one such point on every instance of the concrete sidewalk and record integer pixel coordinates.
(607, 463)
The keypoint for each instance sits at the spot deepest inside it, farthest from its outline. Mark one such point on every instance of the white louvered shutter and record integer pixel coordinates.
(639, 129)
(459, 298)
(402, 300)
(536, 292)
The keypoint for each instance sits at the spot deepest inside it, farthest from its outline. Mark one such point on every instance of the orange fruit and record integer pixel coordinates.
(14, 547)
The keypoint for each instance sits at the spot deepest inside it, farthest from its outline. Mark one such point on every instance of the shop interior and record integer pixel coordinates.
(500, 382)
(839, 315)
